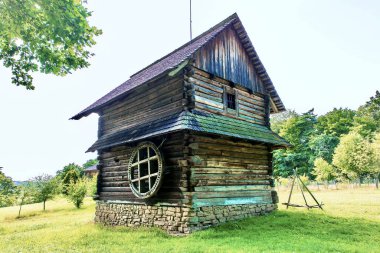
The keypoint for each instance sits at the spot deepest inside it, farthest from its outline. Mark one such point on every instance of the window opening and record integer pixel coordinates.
(231, 101)
(145, 170)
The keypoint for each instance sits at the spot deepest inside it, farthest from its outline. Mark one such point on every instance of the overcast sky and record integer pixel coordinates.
(319, 54)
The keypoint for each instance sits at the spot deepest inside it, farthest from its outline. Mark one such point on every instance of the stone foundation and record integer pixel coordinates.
(205, 217)
(171, 219)
(174, 219)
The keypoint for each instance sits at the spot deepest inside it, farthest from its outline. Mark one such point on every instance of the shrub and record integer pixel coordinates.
(92, 186)
(76, 191)
(71, 173)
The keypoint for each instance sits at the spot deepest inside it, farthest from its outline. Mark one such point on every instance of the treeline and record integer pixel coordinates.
(339, 146)
(69, 182)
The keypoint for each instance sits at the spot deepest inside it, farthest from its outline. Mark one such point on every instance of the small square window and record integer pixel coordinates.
(231, 101)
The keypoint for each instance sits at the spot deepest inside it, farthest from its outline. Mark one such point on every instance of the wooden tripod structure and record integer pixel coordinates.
(303, 187)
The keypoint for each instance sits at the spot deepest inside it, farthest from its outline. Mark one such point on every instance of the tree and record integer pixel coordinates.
(25, 195)
(45, 188)
(367, 120)
(336, 122)
(76, 192)
(323, 171)
(353, 156)
(50, 36)
(7, 190)
(298, 130)
(70, 173)
(376, 166)
(92, 184)
(323, 146)
(277, 120)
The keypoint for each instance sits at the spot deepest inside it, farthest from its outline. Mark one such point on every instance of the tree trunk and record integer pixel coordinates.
(19, 210)
(44, 204)
(377, 181)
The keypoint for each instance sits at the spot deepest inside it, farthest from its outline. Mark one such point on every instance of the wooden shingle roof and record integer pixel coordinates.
(194, 121)
(181, 54)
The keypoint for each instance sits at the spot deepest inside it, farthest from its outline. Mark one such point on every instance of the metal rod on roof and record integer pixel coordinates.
(191, 24)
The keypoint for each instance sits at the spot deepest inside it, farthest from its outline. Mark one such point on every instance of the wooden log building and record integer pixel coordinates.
(185, 143)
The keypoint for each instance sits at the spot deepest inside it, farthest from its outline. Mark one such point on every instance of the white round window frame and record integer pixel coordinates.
(157, 184)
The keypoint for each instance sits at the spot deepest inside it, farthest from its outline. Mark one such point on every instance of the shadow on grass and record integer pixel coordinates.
(281, 231)
(298, 231)
(30, 214)
(286, 222)
(26, 214)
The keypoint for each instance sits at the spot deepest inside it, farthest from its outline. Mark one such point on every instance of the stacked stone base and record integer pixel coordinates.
(174, 219)
(205, 217)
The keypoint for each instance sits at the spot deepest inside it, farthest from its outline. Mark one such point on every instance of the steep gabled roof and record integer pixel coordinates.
(181, 54)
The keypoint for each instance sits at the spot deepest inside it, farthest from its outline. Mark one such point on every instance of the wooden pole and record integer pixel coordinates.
(320, 205)
(301, 188)
(290, 194)
(191, 24)
(302, 185)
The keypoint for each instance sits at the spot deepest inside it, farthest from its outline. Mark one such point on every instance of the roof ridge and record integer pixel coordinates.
(141, 76)
(228, 19)
(176, 57)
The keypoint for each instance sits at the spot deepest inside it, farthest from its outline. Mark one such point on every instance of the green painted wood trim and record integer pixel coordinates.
(232, 201)
(179, 68)
(231, 188)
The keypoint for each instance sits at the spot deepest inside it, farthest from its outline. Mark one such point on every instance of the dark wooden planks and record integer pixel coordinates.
(144, 104)
(114, 178)
(226, 172)
(226, 57)
(209, 92)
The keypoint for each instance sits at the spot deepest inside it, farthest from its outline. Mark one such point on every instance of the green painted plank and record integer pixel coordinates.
(231, 188)
(208, 102)
(214, 98)
(231, 194)
(179, 68)
(232, 201)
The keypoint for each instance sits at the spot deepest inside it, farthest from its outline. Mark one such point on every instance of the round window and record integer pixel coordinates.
(145, 170)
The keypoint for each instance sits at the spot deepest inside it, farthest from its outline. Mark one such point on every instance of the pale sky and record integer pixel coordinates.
(319, 54)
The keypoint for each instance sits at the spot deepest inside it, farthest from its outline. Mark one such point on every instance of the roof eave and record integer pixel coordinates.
(259, 66)
(97, 109)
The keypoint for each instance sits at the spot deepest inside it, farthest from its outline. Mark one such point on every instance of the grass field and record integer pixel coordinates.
(350, 223)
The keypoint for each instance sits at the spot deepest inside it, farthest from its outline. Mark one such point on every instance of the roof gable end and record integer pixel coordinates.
(226, 57)
(181, 54)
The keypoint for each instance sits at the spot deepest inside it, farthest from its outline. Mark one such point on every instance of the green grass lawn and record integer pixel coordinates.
(350, 223)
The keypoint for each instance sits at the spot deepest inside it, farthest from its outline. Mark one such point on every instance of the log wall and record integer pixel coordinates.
(113, 178)
(199, 171)
(210, 96)
(144, 104)
(224, 172)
